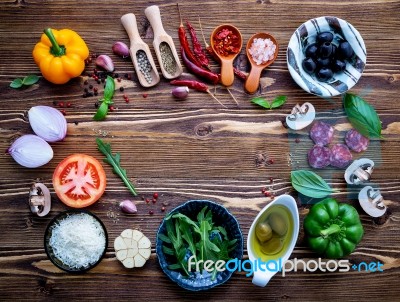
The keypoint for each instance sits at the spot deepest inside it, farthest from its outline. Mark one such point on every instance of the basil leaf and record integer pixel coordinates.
(101, 112)
(30, 80)
(362, 116)
(17, 83)
(278, 101)
(109, 89)
(261, 102)
(310, 184)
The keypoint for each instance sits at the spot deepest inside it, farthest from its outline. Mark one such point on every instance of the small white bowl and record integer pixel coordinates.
(306, 34)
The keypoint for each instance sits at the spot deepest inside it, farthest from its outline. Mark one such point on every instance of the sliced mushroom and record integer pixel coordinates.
(132, 248)
(39, 199)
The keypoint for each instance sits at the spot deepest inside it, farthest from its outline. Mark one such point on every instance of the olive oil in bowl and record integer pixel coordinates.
(273, 233)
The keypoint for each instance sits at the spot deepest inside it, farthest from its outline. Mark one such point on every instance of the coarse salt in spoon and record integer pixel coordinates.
(253, 80)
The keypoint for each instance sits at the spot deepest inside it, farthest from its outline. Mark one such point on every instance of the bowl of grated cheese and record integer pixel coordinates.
(75, 241)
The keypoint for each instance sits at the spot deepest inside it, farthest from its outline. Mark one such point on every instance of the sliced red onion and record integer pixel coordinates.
(48, 123)
(31, 151)
(121, 49)
(105, 62)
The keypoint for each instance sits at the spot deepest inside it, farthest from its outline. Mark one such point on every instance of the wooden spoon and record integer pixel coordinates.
(253, 80)
(227, 74)
(160, 36)
(130, 25)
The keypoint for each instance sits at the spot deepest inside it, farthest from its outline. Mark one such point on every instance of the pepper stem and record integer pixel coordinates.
(332, 229)
(56, 49)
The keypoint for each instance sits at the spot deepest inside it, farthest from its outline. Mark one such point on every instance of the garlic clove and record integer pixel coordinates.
(128, 206)
(145, 253)
(121, 254)
(144, 242)
(31, 151)
(128, 263)
(136, 235)
(119, 244)
(139, 260)
(121, 49)
(105, 62)
(127, 233)
(180, 92)
(48, 123)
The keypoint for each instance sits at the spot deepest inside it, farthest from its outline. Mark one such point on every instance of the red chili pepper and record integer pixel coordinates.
(197, 48)
(199, 86)
(185, 43)
(205, 74)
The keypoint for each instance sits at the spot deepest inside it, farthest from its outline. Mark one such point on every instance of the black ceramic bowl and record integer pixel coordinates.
(49, 250)
(221, 217)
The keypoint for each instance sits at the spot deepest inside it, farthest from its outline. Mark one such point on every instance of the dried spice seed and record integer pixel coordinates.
(167, 58)
(155, 195)
(61, 104)
(263, 190)
(151, 212)
(121, 89)
(154, 200)
(147, 200)
(90, 87)
(55, 103)
(162, 209)
(145, 95)
(144, 65)
(68, 104)
(63, 112)
(111, 108)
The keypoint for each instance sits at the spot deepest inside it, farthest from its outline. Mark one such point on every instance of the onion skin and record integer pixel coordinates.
(31, 151)
(48, 123)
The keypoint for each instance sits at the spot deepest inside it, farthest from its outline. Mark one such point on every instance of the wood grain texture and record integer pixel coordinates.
(193, 149)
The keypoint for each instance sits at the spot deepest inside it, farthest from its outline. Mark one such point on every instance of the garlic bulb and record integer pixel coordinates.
(48, 123)
(31, 151)
(132, 248)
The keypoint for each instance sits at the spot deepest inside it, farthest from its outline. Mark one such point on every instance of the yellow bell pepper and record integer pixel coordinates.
(60, 55)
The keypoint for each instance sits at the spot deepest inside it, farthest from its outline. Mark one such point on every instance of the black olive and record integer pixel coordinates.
(309, 65)
(325, 50)
(338, 66)
(311, 50)
(345, 50)
(324, 74)
(324, 37)
(334, 50)
(323, 62)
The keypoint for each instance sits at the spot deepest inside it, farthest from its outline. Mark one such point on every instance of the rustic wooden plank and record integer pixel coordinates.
(192, 149)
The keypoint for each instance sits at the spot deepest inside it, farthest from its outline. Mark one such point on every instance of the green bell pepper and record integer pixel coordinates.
(334, 229)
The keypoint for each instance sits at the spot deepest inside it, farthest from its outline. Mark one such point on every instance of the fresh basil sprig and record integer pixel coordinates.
(114, 161)
(106, 100)
(362, 116)
(277, 102)
(310, 184)
(26, 81)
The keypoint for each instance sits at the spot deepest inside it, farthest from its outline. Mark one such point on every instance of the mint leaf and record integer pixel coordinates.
(101, 112)
(362, 116)
(30, 80)
(17, 83)
(261, 102)
(278, 101)
(310, 184)
(114, 161)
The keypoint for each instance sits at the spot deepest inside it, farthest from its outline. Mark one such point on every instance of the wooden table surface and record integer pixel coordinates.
(192, 149)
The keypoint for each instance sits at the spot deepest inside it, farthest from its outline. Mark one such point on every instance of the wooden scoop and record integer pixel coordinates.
(129, 23)
(153, 15)
(253, 80)
(227, 74)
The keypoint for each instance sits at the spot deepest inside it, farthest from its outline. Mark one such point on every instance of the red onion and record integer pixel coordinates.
(31, 151)
(48, 123)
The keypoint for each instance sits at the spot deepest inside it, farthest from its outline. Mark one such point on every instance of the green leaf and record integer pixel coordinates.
(114, 161)
(168, 250)
(164, 238)
(278, 101)
(109, 89)
(30, 80)
(17, 83)
(174, 266)
(101, 112)
(362, 116)
(310, 184)
(261, 102)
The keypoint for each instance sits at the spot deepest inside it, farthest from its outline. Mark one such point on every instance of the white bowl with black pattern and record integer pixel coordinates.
(305, 35)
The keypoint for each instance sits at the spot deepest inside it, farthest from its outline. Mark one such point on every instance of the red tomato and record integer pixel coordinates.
(79, 180)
